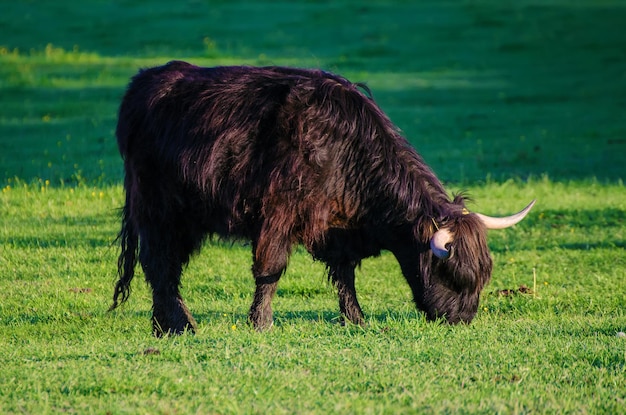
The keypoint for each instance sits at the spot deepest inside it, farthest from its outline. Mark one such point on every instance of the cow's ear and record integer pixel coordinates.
(440, 243)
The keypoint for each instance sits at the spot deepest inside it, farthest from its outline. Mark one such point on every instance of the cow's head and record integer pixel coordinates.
(459, 265)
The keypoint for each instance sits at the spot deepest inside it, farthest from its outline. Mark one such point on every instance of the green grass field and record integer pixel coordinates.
(509, 101)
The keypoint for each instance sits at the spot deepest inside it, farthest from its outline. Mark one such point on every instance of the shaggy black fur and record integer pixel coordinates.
(282, 156)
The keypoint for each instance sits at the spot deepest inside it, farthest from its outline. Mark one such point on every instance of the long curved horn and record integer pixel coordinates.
(439, 241)
(443, 236)
(507, 221)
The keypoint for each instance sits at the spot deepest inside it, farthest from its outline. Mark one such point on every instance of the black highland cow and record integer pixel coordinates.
(283, 156)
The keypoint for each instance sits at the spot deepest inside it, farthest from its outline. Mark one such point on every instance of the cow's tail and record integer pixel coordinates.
(129, 242)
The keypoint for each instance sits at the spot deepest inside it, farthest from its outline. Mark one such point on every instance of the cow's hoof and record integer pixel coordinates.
(261, 321)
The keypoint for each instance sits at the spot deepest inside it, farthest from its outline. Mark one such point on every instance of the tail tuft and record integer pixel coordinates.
(127, 260)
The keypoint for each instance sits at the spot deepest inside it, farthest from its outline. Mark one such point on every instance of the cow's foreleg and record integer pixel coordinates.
(162, 264)
(261, 310)
(343, 278)
(271, 253)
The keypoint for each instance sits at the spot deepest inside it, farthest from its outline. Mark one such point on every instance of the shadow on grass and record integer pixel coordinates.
(294, 317)
(286, 317)
(66, 233)
(556, 229)
(576, 246)
(576, 217)
(597, 245)
(59, 241)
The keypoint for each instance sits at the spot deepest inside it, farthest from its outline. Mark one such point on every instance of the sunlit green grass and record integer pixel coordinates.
(554, 348)
(507, 101)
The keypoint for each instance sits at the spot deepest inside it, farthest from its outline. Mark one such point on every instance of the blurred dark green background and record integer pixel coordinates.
(483, 89)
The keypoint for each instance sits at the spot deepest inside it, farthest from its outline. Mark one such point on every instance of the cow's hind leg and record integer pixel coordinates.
(342, 275)
(162, 258)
